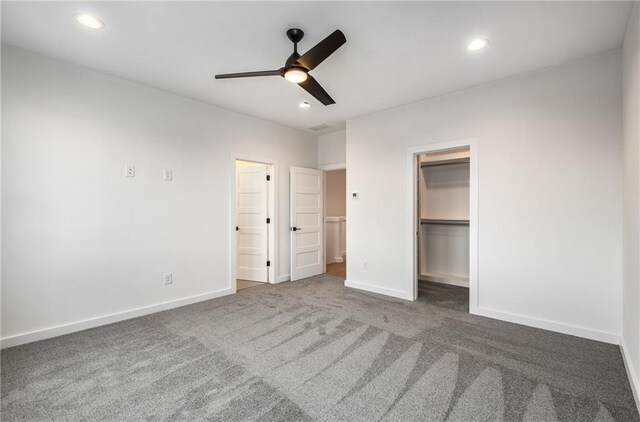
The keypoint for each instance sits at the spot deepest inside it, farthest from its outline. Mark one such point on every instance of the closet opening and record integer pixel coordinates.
(443, 226)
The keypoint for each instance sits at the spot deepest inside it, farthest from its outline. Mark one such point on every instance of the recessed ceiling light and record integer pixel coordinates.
(305, 105)
(477, 44)
(88, 21)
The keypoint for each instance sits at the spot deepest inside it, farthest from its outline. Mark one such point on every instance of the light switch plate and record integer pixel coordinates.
(168, 278)
(167, 174)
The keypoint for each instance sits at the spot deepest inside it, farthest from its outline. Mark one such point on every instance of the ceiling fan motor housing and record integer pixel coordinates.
(295, 35)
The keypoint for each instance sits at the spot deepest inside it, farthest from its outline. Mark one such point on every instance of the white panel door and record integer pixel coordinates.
(306, 222)
(252, 241)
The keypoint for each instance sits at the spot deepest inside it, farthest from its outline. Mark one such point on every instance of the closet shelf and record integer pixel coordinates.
(444, 222)
(463, 160)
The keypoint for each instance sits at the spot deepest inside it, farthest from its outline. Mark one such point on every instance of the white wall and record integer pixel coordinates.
(631, 211)
(550, 194)
(80, 239)
(332, 149)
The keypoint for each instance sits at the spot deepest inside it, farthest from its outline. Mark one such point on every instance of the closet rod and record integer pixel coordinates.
(444, 222)
(464, 160)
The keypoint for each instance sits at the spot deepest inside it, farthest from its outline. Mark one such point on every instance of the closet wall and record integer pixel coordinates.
(443, 183)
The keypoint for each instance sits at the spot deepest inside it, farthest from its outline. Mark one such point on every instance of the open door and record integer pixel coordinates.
(252, 228)
(307, 248)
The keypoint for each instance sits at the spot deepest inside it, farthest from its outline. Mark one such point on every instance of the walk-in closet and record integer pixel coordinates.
(443, 210)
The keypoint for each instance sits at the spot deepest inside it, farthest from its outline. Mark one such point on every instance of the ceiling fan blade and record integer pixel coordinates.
(313, 87)
(322, 50)
(277, 72)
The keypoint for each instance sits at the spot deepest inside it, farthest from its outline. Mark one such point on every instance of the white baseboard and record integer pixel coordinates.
(283, 278)
(376, 289)
(557, 327)
(443, 280)
(337, 260)
(72, 327)
(591, 334)
(631, 373)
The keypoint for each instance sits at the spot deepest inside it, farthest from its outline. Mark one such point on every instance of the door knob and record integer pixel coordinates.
(295, 229)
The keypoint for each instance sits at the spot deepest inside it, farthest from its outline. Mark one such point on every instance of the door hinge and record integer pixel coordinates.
(268, 263)
(268, 177)
(268, 220)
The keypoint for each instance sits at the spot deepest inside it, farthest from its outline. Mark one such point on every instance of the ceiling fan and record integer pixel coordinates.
(296, 68)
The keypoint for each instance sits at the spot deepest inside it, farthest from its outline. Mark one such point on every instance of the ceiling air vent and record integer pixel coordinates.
(320, 127)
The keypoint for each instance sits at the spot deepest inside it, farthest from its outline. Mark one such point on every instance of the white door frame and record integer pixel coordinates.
(326, 168)
(411, 219)
(273, 213)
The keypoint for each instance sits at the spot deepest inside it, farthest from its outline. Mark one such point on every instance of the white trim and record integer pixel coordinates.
(273, 195)
(412, 211)
(544, 324)
(460, 282)
(329, 167)
(272, 206)
(335, 219)
(324, 223)
(283, 278)
(377, 289)
(73, 327)
(631, 373)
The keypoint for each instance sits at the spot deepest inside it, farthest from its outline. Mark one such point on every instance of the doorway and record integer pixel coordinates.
(336, 222)
(444, 227)
(254, 223)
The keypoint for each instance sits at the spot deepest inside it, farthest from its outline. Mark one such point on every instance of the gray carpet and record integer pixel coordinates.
(315, 350)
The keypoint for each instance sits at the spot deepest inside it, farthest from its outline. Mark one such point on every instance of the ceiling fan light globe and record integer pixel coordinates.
(295, 75)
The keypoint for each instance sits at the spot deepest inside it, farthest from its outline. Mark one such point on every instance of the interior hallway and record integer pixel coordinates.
(245, 284)
(338, 269)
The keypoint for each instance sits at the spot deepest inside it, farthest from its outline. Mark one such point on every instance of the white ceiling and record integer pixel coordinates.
(396, 53)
